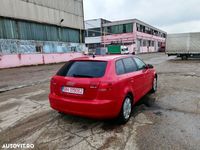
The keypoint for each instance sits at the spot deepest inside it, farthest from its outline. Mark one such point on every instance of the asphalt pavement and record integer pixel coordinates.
(172, 121)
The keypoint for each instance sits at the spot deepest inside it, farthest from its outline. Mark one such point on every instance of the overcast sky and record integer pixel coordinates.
(173, 16)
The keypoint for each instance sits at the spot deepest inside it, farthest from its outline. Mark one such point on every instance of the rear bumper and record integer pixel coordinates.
(97, 109)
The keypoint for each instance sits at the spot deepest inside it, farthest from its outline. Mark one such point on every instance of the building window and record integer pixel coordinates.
(152, 43)
(149, 43)
(94, 32)
(119, 29)
(128, 28)
(144, 43)
(148, 30)
(107, 30)
(27, 30)
(86, 33)
(138, 27)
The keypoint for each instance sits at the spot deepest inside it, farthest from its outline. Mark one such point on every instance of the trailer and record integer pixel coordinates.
(183, 45)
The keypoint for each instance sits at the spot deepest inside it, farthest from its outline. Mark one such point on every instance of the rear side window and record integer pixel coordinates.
(83, 69)
(119, 67)
(130, 65)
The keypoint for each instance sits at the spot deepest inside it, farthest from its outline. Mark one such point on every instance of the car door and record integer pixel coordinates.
(146, 86)
(134, 77)
(122, 80)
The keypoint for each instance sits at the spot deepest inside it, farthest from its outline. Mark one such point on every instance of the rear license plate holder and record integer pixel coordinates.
(73, 90)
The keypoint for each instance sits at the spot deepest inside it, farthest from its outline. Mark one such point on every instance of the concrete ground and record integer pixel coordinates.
(171, 122)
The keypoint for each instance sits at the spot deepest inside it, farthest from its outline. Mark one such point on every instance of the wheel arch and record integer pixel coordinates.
(130, 93)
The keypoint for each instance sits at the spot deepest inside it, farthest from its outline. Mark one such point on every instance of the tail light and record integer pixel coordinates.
(105, 86)
(52, 85)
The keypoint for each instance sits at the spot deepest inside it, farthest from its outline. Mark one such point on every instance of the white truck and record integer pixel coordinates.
(183, 45)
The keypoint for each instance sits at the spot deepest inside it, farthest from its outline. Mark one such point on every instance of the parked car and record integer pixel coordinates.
(101, 87)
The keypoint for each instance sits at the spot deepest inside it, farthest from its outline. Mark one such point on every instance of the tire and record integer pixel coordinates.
(184, 57)
(126, 110)
(154, 85)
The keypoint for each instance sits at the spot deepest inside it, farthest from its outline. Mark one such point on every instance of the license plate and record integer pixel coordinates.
(72, 90)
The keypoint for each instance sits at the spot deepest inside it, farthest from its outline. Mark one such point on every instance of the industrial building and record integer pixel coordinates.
(40, 31)
(138, 36)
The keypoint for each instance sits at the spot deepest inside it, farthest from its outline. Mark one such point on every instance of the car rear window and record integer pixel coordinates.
(83, 69)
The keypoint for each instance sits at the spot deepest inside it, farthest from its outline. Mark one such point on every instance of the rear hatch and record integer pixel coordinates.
(79, 79)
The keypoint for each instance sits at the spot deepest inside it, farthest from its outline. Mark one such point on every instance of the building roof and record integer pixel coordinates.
(102, 19)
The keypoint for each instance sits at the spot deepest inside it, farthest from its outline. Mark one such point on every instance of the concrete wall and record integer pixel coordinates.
(17, 60)
(94, 23)
(92, 40)
(16, 53)
(45, 11)
(8, 46)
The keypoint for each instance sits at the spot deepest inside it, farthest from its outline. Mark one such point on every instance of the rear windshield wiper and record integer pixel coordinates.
(82, 76)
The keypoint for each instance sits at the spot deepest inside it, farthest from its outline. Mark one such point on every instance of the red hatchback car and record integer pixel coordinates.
(101, 87)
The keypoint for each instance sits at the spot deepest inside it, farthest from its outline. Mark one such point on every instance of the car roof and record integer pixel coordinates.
(102, 58)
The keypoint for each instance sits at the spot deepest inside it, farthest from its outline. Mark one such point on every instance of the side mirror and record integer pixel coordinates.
(149, 66)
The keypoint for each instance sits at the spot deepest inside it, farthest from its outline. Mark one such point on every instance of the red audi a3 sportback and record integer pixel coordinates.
(103, 87)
